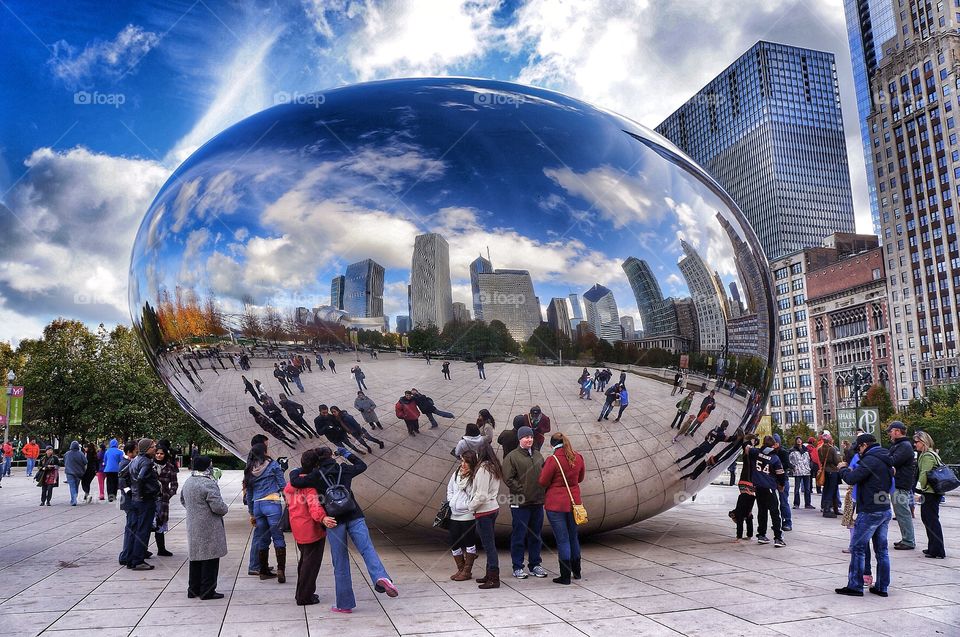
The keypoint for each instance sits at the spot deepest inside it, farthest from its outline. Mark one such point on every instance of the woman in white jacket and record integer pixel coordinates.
(485, 505)
(463, 535)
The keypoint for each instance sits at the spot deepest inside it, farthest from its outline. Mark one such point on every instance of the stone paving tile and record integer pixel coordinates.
(635, 625)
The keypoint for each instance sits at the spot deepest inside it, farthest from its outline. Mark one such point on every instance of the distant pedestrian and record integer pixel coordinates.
(93, 465)
(481, 370)
(74, 466)
(624, 402)
(829, 459)
(7, 459)
(799, 469)
(358, 375)
(368, 409)
(427, 357)
(427, 407)
(683, 406)
(101, 468)
(308, 524)
(561, 476)
(445, 368)
(206, 536)
(31, 451)
(48, 475)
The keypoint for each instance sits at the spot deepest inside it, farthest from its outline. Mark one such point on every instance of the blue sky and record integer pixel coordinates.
(100, 102)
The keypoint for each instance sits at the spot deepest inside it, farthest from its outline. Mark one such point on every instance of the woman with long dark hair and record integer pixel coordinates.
(308, 523)
(264, 482)
(485, 506)
(561, 476)
(93, 464)
(487, 424)
(462, 530)
(167, 469)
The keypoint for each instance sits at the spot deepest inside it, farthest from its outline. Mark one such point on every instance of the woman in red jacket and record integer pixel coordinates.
(565, 463)
(309, 524)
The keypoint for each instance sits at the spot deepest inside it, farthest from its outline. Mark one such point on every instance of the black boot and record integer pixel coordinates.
(262, 560)
(162, 545)
(564, 573)
(575, 568)
(281, 552)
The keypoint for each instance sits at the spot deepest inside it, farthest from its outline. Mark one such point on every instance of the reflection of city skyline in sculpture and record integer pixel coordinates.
(628, 330)
(602, 314)
(558, 316)
(460, 312)
(507, 296)
(657, 315)
(478, 266)
(337, 285)
(577, 312)
(711, 322)
(431, 292)
(363, 289)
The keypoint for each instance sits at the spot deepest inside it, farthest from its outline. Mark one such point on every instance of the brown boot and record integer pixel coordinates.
(467, 572)
(459, 560)
(262, 559)
(493, 579)
(281, 552)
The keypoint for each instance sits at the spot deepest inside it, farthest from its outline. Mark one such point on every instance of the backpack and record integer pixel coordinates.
(337, 499)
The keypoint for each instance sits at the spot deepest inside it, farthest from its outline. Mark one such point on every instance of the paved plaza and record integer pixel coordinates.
(677, 573)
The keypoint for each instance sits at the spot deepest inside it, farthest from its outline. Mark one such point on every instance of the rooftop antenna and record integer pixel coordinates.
(488, 254)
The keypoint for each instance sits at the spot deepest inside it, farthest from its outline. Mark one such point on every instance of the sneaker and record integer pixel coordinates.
(902, 547)
(787, 527)
(539, 571)
(762, 539)
(809, 506)
(388, 587)
(341, 610)
(778, 543)
(868, 580)
(519, 573)
(848, 591)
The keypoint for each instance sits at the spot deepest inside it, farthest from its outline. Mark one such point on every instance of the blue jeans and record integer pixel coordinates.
(870, 527)
(337, 541)
(527, 525)
(785, 514)
(30, 464)
(565, 532)
(606, 409)
(801, 483)
(7, 461)
(267, 513)
(74, 483)
(831, 493)
(485, 524)
(259, 537)
(296, 381)
(140, 517)
(360, 384)
(129, 529)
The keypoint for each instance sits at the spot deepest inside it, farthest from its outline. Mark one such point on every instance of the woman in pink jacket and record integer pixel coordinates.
(309, 524)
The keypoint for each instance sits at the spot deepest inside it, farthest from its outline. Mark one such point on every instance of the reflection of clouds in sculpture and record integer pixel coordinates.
(261, 220)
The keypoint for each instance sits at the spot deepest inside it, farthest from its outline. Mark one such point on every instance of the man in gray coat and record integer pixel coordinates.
(206, 537)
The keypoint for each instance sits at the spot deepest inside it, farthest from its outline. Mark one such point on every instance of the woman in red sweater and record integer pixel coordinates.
(565, 463)
(309, 524)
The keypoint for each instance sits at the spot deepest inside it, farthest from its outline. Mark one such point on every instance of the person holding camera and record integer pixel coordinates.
(333, 479)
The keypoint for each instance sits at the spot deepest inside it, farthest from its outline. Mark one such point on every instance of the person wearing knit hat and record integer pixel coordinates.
(521, 472)
(144, 445)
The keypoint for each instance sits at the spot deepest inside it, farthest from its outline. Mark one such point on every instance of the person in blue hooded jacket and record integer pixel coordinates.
(873, 477)
(111, 468)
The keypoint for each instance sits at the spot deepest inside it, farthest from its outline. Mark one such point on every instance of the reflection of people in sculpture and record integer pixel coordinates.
(676, 382)
(270, 427)
(320, 363)
(327, 425)
(368, 409)
(736, 442)
(706, 408)
(445, 368)
(358, 375)
(250, 389)
(271, 409)
(281, 376)
(481, 370)
(352, 427)
(407, 411)
(293, 375)
(295, 413)
(536, 420)
(428, 408)
(333, 366)
(712, 439)
(610, 395)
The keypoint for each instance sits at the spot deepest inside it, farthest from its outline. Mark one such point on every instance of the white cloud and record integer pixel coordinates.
(619, 197)
(111, 59)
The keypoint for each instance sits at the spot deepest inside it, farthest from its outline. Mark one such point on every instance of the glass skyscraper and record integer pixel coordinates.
(602, 313)
(363, 289)
(769, 129)
(336, 292)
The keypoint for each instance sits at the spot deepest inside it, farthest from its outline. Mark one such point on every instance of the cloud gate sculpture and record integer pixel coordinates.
(366, 235)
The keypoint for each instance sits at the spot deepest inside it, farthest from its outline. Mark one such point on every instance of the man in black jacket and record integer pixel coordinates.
(295, 413)
(905, 465)
(144, 484)
(428, 409)
(873, 477)
(328, 425)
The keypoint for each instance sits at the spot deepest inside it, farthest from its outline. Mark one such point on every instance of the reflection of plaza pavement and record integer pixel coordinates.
(674, 574)
(631, 473)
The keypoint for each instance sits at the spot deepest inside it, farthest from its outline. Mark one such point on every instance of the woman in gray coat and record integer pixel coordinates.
(368, 409)
(206, 537)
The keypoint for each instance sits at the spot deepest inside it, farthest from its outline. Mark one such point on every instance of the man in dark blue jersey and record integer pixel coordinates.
(769, 479)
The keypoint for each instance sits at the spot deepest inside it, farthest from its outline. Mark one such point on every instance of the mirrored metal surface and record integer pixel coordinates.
(475, 220)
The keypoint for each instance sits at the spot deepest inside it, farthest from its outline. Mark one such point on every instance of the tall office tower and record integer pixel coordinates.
(601, 313)
(577, 312)
(658, 316)
(431, 293)
(558, 316)
(711, 320)
(336, 292)
(302, 316)
(479, 265)
(872, 33)
(460, 313)
(628, 330)
(507, 296)
(363, 289)
(910, 58)
(737, 306)
(403, 324)
(687, 324)
(769, 129)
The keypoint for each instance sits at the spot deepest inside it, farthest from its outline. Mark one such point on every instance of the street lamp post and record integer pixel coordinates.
(6, 425)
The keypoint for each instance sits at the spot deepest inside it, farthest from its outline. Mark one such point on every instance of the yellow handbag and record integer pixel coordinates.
(579, 511)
